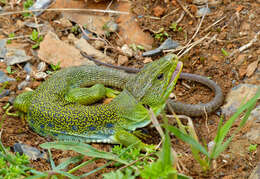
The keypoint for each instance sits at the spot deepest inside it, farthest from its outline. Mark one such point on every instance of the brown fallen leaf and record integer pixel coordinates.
(251, 68)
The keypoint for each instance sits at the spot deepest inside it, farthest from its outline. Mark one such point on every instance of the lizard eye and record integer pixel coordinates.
(160, 76)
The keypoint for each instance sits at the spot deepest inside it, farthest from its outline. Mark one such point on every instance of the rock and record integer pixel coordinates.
(53, 50)
(41, 67)
(22, 85)
(72, 38)
(251, 68)
(127, 51)
(4, 77)
(202, 11)
(3, 49)
(28, 68)
(40, 4)
(40, 75)
(253, 134)
(84, 46)
(122, 59)
(32, 152)
(158, 11)
(15, 56)
(237, 96)
(111, 26)
(166, 45)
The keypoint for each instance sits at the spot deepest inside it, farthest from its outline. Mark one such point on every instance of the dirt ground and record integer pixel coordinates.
(239, 22)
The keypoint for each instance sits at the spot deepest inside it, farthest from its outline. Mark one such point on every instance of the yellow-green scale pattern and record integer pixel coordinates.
(51, 115)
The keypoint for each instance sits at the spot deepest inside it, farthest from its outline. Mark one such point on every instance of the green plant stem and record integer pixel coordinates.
(81, 165)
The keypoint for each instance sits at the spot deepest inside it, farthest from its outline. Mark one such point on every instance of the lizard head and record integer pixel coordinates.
(154, 83)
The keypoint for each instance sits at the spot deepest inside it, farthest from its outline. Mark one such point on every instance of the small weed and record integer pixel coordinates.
(55, 67)
(9, 70)
(13, 166)
(224, 52)
(175, 27)
(36, 38)
(26, 5)
(11, 35)
(252, 147)
(161, 36)
(75, 29)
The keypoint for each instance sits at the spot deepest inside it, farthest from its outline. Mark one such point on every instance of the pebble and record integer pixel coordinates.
(237, 96)
(41, 67)
(111, 26)
(147, 60)
(122, 59)
(65, 22)
(127, 51)
(202, 11)
(32, 152)
(28, 68)
(22, 85)
(40, 75)
(3, 49)
(4, 77)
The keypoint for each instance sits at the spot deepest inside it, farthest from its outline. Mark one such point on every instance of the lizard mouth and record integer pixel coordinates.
(176, 73)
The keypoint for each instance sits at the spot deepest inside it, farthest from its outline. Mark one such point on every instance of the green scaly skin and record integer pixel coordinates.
(50, 114)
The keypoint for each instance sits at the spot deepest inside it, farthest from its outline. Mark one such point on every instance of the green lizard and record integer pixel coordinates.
(52, 112)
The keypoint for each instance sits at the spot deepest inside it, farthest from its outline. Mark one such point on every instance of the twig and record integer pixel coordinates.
(65, 9)
(246, 46)
(213, 24)
(21, 37)
(194, 44)
(175, 10)
(180, 18)
(185, 9)
(194, 35)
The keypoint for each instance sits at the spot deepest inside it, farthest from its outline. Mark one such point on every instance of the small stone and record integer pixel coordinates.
(98, 44)
(147, 60)
(40, 75)
(41, 67)
(216, 58)
(158, 11)
(251, 68)
(65, 22)
(238, 95)
(122, 59)
(202, 11)
(127, 51)
(111, 26)
(199, 2)
(28, 68)
(32, 152)
(22, 85)
(15, 56)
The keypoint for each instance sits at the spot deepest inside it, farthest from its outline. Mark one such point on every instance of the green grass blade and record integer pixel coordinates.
(186, 138)
(67, 174)
(83, 149)
(71, 160)
(226, 127)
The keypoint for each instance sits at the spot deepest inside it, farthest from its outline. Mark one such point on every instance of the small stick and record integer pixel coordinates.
(246, 46)
(65, 9)
(213, 24)
(185, 9)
